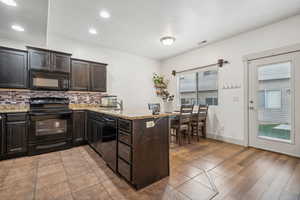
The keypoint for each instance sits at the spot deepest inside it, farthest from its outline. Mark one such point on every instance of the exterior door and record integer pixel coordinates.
(274, 90)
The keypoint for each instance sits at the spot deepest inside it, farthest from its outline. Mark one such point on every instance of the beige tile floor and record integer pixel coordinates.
(80, 174)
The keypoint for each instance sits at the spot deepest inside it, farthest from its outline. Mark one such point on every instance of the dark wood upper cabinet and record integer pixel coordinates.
(61, 62)
(98, 77)
(47, 60)
(13, 68)
(39, 59)
(80, 75)
(88, 75)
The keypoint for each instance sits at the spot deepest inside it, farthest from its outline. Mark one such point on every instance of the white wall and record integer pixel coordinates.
(227, 121)
(129, 76)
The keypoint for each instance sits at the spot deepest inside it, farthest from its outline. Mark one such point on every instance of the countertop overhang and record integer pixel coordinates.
(130, 114)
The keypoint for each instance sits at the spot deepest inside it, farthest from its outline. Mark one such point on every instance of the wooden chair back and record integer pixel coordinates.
(202, 111)
(186, 112)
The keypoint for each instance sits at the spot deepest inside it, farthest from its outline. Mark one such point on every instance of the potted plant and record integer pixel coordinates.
(161, 86)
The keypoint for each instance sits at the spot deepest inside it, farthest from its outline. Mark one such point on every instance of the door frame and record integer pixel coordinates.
(256, 56)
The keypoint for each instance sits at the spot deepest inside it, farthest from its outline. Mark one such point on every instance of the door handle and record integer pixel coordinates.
(251, 108)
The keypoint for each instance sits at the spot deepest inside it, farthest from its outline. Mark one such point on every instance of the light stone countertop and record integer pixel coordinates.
(130, 114)
(13, 109)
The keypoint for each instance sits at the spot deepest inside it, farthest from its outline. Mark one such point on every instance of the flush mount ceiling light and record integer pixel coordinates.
(9, 2)
(168, 40)
(17, 28)
(104, 14)
(92, 31)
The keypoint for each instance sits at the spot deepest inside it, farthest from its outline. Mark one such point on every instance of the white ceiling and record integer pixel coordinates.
(136, 26)
(30, 14)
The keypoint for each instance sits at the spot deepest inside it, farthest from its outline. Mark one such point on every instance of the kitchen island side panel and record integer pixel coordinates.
(150, 151)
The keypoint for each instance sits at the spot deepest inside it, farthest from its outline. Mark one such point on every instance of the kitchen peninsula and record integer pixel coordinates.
(135, 144)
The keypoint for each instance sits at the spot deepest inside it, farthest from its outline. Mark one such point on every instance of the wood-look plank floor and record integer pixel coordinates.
(80, 174)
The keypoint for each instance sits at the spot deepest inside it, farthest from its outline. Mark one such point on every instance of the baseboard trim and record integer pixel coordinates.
(226, 139)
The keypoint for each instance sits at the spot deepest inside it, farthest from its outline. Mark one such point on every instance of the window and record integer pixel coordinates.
(199, 88)
(187, 89)
(270, 99)
(273, 99)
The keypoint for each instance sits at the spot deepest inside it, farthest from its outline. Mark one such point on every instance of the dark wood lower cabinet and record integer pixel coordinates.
(79, 127)
(143, 153)
(138, 153)
(2, 133)
(16, 138)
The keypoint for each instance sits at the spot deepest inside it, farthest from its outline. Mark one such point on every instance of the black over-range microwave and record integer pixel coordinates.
(41, 80)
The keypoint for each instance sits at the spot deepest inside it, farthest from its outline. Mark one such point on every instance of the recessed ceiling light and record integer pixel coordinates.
(9, 2)
(104, 14)
(168, 40)
(92, 31)
(17, 28)
(202, 42)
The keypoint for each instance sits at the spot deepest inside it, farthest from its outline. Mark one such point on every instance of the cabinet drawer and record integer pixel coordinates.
(125, 125)
(125, 137)
(16, 117)
(124, 169)
(124, 152)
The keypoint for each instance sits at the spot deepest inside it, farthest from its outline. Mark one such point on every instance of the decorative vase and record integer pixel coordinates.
(168, 106)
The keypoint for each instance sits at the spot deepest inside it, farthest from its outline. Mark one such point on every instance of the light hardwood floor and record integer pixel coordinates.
(80, 174)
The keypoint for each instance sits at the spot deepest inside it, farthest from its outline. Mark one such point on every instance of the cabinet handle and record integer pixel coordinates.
(16, 149)
(109, 120)
(50, 145)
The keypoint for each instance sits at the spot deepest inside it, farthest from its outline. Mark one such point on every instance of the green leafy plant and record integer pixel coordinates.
(161, 87)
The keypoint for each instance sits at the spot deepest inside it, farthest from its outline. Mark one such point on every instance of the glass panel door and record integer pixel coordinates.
(274, 90)
(274, 110)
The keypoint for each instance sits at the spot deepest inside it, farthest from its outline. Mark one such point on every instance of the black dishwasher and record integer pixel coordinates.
(109, 141)
(102, 137)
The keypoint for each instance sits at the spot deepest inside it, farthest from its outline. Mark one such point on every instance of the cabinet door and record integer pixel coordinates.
(98, 77)
(1, 136)
(16, 137)
(13, 69)
(95, 134)
(80, 75)
(79, 127)
(39, 59)
(61, 62)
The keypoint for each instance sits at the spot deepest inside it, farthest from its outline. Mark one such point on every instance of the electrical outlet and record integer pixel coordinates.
(150, 124)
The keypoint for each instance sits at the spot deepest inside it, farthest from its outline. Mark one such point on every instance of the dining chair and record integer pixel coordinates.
(198, 122)
(183, 124)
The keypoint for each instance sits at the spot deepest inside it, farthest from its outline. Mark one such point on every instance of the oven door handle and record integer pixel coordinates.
(108, 120)
(43, 114)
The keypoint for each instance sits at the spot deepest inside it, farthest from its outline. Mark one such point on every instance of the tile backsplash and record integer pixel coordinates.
(21, 97)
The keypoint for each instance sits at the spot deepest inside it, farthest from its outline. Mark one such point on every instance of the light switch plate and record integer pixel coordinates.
(150, 124)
